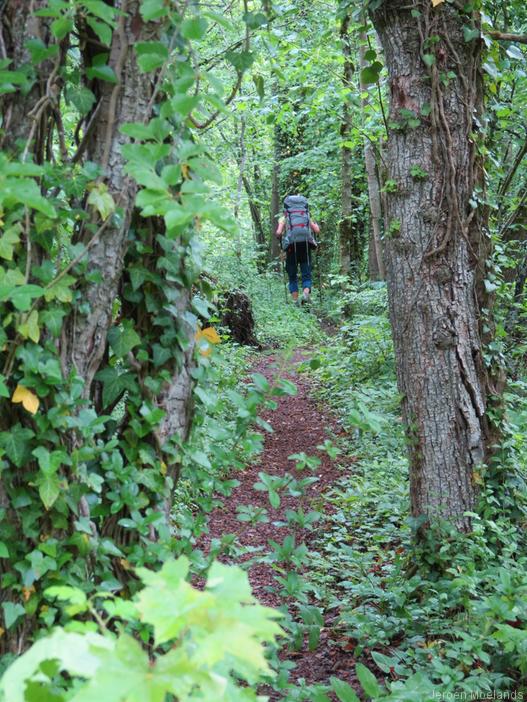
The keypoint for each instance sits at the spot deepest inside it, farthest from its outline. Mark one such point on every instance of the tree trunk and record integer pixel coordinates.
(275, 197)
(375, 253)
(84, 338)
(24, 113)
(349, 245)
(433, 246)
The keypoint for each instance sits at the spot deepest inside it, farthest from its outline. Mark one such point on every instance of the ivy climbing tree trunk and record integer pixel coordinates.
(128, 100)
(435, 250)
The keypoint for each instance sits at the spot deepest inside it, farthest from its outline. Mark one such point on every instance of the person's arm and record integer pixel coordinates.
(280, 228)
(314, 227)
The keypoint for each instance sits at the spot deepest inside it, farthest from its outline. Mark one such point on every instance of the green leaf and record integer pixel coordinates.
(102, 72)
(81, 97)
(62, 26)
(254, 20)
(153, 9)
(274, 499)
(102, 30)
(8, 241)
(194, 27)
(122, 339)
(471, 33)
(27, 192)
(102, 200)
(22, 296)
(429, 59)
(4, 553)
(4, 390)
(39, 51)
(78, 602)
(79, 654)
(100, 9)
(115, 383)
(241, 60)
(184, 104)
(12, 613)
(370, 74)
(384, 663)
(16, 444)
(49, 489)
(367, 680)
(344, 692)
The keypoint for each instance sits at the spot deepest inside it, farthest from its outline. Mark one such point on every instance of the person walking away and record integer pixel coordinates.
(297, 230)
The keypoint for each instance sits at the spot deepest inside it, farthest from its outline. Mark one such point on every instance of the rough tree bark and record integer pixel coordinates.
(350, 243)
(375, 253)
(435, 252)
(84, 337)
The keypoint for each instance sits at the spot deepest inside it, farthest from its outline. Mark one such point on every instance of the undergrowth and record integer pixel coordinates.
(448, 616)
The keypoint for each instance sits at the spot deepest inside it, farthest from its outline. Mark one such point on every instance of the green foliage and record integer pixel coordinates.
(194, 642)
(441, 617)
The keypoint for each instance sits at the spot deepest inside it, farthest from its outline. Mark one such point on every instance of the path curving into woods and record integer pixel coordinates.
(299, 425)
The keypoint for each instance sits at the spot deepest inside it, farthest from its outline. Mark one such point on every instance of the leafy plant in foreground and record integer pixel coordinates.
(198, 644)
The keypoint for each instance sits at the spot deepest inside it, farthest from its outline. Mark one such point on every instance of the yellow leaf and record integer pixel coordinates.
(29, 401)
(206, 337)
(437, 2)
(210, 334)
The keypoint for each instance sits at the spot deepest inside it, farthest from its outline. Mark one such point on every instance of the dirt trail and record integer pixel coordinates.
(298, 426)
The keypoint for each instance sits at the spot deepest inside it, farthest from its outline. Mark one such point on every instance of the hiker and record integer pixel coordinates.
(297, 243)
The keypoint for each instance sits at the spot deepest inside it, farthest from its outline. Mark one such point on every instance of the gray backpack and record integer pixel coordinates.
(297, 222)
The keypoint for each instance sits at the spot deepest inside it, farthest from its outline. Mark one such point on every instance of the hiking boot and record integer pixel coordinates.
(306, 298)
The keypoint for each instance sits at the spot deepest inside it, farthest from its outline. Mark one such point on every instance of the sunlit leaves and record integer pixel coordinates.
(101, 200)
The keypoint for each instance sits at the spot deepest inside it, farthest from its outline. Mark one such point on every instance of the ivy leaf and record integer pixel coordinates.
(12, 613)
(114, 384)
(4, 552)
(22, 295)
(49, 489)
(123, 339)
(29, 329)
(29, 400)
(102, 200)
(471, 33)
(16, 444)
(429, 59)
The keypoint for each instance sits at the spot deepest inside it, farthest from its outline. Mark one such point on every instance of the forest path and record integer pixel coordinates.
(299, 426)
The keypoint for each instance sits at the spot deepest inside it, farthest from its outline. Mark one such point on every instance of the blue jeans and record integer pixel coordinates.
(291, 266)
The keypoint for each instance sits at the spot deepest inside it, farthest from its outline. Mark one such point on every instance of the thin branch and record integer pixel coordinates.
(503, 36)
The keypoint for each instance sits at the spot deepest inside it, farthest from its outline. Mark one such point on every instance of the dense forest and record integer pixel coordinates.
(218, 482)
